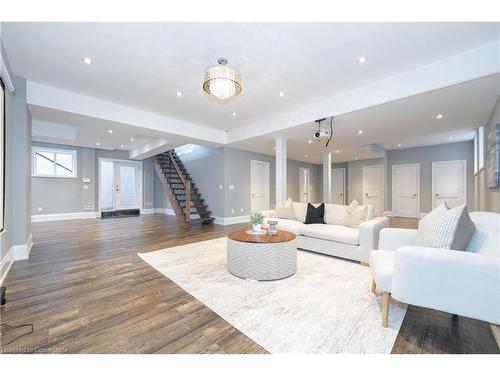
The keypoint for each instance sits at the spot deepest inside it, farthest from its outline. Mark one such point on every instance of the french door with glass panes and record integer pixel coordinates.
(120, 185)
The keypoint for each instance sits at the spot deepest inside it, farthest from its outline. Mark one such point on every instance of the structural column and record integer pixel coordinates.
(327, 176)
(280, 169)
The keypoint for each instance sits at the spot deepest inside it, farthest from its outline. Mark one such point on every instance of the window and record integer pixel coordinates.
(49, 162)
(2, 153)
(475, 154)
(479, 150)
(480, 146)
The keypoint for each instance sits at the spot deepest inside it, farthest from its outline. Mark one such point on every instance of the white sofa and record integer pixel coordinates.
(465, 283)
(333, 238)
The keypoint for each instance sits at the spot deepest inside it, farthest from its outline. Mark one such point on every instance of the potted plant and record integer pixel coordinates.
(257, 219)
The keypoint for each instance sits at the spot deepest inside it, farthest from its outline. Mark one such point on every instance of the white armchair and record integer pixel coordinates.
(465, 283)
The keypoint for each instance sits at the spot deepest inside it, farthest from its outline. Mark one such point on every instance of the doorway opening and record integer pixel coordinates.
(120, 188)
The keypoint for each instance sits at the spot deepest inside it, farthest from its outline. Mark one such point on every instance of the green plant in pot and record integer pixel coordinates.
(257, 219)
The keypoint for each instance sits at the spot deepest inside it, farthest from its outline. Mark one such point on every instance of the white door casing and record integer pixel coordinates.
(406, 190)
(125, 185)
(259, 185)
(373, 187)
(338, 186)
(449, 183)
(304, 185)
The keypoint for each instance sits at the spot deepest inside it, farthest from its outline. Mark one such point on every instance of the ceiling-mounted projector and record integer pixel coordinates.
(324, 131)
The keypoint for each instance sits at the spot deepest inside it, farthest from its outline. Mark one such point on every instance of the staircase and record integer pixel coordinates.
(181, 191)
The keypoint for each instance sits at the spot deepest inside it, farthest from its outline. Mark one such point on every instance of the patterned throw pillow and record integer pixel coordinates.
(356, 214)
(446, 229)
(284, 210)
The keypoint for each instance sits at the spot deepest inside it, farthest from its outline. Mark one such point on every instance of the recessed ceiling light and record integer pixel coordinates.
(305, 156)
(179, 93)
(362, 59)
(399, 145)
(132, 139)
(360, 131)
(355, 158)
(97, 144)
(87, 61)
(282, 94)
(310, 141)
(121, 146)
(439, 116)
(338, 151)
(451, 138)
(110, 131)
(235, 114)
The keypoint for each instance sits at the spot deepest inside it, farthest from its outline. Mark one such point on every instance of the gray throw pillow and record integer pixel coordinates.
(446, 229)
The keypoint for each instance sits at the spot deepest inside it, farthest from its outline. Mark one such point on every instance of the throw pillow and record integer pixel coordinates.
(284, 210)
(356, 215)
(315, 215)
(446, 229)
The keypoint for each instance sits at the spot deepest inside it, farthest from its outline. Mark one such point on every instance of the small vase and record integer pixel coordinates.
(257, 227)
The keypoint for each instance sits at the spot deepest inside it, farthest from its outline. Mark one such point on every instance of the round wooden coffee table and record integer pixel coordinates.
(263, 257)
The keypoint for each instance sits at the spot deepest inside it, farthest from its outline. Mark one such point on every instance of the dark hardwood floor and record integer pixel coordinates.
(86, 291)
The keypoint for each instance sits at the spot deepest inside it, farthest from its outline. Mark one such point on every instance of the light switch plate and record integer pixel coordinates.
(221, 187)
(231, 187)
(86, 180)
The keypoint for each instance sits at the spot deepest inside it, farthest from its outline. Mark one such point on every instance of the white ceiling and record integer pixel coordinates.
(410, 122)
(143, 65)
(71, 129)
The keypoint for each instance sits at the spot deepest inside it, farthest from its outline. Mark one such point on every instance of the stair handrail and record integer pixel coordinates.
(187, 186)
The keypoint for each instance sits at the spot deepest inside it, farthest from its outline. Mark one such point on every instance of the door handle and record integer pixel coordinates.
(437, 195)
(414, 194)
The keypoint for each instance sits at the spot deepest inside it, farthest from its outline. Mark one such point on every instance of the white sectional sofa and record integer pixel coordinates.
(333, 238)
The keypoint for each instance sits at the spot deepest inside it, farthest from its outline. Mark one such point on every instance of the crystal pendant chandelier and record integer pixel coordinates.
(222, 81)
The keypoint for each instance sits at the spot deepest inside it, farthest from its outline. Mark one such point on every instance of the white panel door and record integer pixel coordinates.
(373, 187)
(338, 185)
(405, 190)
(448, 183)
(259, 185)
(305, 185)
(127, 186)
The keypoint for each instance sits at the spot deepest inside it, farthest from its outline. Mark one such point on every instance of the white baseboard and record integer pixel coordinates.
(231, 220)
(391, 214)
(5, 265)
(64, 216)
(18, 252)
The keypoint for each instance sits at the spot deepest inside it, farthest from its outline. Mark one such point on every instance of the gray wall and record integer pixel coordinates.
(66, 195)
(355, 178)
(487, 199)
(211, 168)
(237, 173)
(205, 165)
(425, 156)
(422, 155)
(17, 223)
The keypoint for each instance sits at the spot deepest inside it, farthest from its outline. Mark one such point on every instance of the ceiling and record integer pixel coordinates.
(143, 65)
(405, 123)
(49, 125)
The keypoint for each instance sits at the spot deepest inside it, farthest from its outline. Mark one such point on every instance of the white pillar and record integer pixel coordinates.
(327, 176)
(280, 169)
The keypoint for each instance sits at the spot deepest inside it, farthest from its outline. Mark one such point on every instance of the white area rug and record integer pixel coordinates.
(326, 307)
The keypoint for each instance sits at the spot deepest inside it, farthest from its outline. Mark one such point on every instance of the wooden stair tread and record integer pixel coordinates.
(172, 173)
